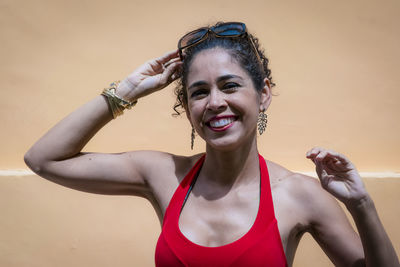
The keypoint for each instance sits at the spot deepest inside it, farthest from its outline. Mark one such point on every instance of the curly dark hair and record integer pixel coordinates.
(240, 48)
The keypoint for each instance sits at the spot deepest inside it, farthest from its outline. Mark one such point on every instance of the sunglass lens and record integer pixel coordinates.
(192, 38)
(229, 29)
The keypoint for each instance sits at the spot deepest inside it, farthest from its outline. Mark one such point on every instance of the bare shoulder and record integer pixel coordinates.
(162, 173)
(156, 164)
(295, 183)
(302, 191)
(302, 205)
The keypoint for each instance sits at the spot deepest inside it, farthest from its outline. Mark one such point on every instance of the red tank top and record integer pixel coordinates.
(260, 246)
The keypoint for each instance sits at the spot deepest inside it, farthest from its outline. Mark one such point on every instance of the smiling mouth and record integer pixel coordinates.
(221, 123)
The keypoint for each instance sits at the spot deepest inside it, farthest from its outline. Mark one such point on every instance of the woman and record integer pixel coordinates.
(228, 207)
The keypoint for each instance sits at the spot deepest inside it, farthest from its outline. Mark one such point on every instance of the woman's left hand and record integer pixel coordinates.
(338, 176)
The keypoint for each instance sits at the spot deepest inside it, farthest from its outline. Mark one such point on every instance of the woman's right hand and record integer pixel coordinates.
(152, 76)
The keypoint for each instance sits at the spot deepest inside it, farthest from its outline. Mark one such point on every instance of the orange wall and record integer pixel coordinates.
(335, 63)
(45, 225)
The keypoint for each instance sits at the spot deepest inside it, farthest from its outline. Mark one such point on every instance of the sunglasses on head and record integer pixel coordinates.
(228, 29)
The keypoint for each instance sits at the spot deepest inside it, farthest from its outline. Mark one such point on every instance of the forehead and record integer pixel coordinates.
(212, 63)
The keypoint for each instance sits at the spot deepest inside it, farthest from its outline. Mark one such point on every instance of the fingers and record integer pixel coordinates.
(165, 64)
(172, 68)
(321, 154)
(174, 54)
(171, 61)
(331, 159)
(323, 167)
(171, 72)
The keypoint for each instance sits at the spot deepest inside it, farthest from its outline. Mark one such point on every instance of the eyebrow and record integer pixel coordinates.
(228, 76)
(219, 79)
(198, 83)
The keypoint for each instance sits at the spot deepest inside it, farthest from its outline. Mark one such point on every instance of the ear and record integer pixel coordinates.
(265, 96)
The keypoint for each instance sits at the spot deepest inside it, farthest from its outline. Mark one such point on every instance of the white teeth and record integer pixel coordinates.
(221, 122)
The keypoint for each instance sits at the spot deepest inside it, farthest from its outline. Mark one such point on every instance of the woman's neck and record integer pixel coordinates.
(230, 168)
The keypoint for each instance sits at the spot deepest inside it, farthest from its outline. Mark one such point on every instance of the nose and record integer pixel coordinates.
(216, 100)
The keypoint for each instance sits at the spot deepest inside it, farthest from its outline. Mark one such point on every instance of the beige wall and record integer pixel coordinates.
(335, 63)
(45, 225)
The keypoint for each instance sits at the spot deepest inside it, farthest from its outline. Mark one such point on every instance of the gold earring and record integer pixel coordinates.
(262, 122)
(192, 138)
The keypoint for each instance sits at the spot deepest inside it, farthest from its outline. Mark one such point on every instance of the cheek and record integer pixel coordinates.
(196, 111)
(247, 104)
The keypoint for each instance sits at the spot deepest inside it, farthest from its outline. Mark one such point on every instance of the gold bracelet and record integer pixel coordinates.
(116, 103)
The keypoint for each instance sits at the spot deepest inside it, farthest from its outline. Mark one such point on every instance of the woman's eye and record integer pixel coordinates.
(199, 92)
(230, 86)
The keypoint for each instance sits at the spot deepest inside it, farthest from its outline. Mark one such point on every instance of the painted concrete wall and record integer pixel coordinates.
(335, 63)
(45, 225)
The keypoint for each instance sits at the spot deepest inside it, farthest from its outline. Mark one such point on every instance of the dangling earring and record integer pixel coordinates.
(262, 122)
(192, 138)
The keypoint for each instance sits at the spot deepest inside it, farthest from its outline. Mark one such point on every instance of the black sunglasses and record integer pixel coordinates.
(228, 29)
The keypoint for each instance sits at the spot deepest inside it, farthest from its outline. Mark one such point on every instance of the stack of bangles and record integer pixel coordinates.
(116, 103)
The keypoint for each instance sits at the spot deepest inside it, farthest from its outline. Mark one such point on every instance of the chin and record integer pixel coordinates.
(226, 144)
(223, 147)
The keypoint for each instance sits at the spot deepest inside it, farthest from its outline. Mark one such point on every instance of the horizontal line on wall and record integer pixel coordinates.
(16, 172)
(388, 174)
(364, 174)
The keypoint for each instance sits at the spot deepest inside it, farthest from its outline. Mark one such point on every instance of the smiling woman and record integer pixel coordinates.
(228, 206)
(223, 104)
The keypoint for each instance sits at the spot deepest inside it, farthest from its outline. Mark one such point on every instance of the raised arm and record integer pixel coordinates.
(57, 155)
(340, 178)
